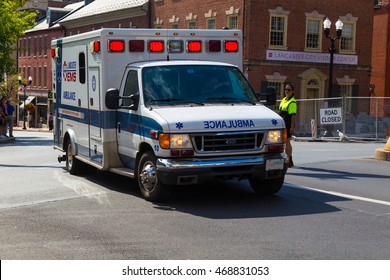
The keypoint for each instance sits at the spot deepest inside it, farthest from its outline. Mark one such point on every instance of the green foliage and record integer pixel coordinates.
(13, 23)
(9, 87)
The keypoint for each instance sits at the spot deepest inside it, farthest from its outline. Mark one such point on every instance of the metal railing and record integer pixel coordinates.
(363, 118)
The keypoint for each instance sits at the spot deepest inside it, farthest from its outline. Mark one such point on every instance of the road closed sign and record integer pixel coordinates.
(331, 116)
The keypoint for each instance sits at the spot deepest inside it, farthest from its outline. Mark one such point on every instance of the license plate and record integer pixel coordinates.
(274, 164)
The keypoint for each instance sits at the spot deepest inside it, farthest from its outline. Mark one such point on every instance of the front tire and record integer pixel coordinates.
(267, 187)
(149, 184)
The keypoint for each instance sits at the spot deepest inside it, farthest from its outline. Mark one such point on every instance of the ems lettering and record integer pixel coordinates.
(70, 76)
(69, 95)
(70, 71)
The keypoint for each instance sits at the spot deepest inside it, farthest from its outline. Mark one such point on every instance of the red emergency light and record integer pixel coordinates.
(231, 46)
(96, 46)
(194, 46)
(156, 46)
(215, 46)
(53, 53)
(116, 46)
(137, 45)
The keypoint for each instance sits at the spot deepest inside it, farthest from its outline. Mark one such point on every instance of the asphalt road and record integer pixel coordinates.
(335, 205)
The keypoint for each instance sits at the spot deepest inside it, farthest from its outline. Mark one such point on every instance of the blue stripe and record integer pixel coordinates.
(130, 122)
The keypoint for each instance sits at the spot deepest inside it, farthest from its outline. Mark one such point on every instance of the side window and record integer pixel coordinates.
(131, 86)
(82, 69)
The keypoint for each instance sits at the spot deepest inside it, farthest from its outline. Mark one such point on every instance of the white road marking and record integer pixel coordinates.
(353, 197)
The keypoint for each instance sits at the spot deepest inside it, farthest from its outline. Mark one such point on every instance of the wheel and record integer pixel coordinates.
(267, 187)
(151, 187)
(73, 165)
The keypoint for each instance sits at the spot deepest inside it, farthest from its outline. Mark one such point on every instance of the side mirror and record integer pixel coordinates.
(112, 99)
(134, 100)
(268, 98)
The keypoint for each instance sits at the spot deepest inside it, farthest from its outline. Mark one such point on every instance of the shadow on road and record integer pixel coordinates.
(227, 200)
(30, 141)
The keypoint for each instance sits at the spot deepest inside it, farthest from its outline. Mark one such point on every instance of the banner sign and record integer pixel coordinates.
(311, 57)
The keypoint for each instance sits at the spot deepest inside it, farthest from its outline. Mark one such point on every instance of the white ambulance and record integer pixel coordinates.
(165, 107)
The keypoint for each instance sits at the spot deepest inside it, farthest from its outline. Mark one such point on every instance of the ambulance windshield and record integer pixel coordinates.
(199, 84)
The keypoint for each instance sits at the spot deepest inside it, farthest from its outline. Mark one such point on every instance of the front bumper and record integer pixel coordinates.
(185, 171)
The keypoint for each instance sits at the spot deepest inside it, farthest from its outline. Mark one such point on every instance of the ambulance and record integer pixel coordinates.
(166, 107)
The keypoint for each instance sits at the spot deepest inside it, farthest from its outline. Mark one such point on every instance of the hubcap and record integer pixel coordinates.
(148, 176)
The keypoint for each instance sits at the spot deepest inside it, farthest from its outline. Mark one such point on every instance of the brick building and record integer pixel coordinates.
(380, 83)
(284, 42)
(34, 59)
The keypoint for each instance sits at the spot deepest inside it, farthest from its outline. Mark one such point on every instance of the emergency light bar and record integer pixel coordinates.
(116, 45)
(137, 45)
(231, 46)
(156, 46)
(194, 46)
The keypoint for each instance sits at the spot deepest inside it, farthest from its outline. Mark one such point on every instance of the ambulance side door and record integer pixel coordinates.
(95, 114)
(128, 126)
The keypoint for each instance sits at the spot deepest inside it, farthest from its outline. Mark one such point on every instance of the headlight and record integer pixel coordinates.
(275, 136)
(175, 141)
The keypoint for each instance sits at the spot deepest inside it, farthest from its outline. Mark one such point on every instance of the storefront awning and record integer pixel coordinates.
(28, 100)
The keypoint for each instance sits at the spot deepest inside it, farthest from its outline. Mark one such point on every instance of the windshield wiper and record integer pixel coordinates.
(230, 98)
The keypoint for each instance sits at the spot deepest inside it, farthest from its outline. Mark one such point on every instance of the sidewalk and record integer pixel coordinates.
(19, 128)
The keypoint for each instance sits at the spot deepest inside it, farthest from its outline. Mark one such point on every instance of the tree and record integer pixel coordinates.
(13, 23)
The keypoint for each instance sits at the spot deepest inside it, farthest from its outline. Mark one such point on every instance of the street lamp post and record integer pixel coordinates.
(20, 79)
(332, 49)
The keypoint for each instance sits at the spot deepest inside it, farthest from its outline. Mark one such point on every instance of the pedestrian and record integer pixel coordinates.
(288, 111)
(51, 119)
(3, 116)
(10, 118)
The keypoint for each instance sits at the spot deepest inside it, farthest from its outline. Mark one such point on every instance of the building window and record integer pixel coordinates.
(279, 89)
(158, 26)
(29, 47)
(24, 46)
(232, 22)
(174, 25)
(278, 30)
(191, 25)
(347, 38)
(39, 84)
(210, 23)
(44, 76)
(313, 34)
(40, 46)
(35, 46)
(45, 46)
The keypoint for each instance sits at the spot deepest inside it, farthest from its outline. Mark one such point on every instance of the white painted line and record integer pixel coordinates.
(353, 197)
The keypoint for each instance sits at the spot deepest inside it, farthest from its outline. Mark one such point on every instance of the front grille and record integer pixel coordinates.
(225, 142)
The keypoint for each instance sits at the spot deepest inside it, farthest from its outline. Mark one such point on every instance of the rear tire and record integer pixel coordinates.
(73, 165)
(267, 187)
(149, 184)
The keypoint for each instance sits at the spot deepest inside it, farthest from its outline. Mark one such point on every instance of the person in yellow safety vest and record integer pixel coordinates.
(288, 111)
